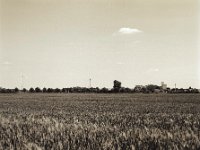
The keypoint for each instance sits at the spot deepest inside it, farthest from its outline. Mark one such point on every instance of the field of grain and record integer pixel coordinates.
(99, 121)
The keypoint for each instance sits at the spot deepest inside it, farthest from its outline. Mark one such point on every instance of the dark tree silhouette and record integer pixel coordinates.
(116, 86)
(57, 90)
(104, 90)
(44, 90)
(151, 87)
(49, 90)
(16, 90)
(24, 90)
(31, 90)
(38, 90)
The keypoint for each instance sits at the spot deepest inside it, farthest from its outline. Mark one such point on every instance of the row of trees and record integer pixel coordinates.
(4, 90)
(57, 90)
(117, 88)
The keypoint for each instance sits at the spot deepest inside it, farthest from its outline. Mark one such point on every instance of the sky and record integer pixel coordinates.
(64, 43)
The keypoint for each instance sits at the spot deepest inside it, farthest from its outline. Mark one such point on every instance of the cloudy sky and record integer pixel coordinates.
(63, 43)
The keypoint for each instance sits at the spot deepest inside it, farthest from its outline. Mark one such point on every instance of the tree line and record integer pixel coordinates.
(117, 88)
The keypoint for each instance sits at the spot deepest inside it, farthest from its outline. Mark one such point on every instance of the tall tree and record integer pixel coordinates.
(116, 86)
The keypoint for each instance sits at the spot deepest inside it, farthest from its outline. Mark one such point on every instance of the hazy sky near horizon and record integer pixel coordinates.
(63, 43)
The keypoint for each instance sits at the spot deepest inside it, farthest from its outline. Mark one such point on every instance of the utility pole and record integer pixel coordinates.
(90, 83)
(175, 87)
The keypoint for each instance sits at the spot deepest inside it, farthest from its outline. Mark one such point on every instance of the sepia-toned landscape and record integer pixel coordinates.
(99, 75)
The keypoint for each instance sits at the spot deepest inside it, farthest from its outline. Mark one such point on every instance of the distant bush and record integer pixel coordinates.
(24, 90)
(44, 90)
(16, 90)
(38, 90)
(49, 90)
(104, 90)
(57, 90)
(152, 87)
(31, 90)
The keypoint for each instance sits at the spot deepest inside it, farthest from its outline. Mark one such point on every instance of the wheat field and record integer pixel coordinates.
(99, 121)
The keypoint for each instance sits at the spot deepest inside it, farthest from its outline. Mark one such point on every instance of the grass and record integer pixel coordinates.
(99, 121)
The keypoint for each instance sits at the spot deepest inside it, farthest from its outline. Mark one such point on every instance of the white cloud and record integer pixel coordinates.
(156, 69)
(120, 63)
(153, 70)
(129, 31)
(6, 63)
